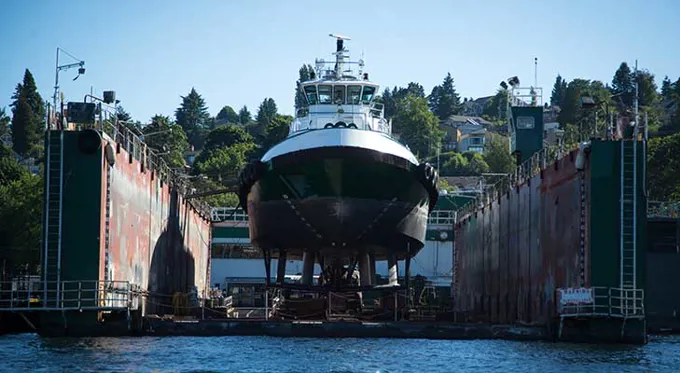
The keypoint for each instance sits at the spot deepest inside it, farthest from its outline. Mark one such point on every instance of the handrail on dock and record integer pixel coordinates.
(66, 295)
(239, 217)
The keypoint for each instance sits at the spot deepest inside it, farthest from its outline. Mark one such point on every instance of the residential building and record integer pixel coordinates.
(476, 107)
(465, 133)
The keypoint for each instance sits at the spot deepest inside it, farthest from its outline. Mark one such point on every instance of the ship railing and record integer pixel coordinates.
(444, 217)
(229, 214)
(603, 302)
(237, 215)
(662, 209)
(66, 296)
(525, 171)
(149, 158)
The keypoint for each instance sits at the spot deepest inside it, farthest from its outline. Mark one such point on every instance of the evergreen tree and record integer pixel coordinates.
(227, 115)
(244, 116)
(622, 84)
(167, 139)
(122, 115)
(558, 92)
(193, 113)
(28, 118)
(666, 89)
(266, 112)
(444, 101)
(389, 103)
(305, 75)
(4, 122)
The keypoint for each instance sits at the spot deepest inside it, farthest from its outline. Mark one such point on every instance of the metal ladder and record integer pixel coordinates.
(628, 223)
(53, 214)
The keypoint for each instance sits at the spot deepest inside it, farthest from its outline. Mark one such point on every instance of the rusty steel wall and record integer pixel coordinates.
(156, 239)
(512, 255)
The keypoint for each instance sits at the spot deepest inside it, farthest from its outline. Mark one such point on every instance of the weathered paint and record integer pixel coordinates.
(157, 240)
(513, 254)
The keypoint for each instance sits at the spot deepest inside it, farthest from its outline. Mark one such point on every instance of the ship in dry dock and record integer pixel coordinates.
(340, 190)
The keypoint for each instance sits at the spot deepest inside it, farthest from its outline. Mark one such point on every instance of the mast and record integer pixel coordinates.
(339, 54)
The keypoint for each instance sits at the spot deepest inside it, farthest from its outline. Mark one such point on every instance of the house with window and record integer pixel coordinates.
(464, 133)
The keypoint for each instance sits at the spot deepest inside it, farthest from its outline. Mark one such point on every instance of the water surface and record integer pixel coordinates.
(27, 352)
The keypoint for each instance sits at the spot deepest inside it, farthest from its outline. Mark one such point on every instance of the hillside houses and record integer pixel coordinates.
(465, 133)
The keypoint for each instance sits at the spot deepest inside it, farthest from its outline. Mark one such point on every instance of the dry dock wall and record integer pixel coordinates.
(121, 222)
(558, 229)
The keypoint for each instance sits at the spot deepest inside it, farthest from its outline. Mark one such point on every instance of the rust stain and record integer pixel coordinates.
(158, 241)
(512, 257)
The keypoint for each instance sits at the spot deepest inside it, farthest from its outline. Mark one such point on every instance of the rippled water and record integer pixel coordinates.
(23, 353)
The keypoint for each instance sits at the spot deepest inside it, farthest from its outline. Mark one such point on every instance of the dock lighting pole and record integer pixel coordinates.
(81, 70)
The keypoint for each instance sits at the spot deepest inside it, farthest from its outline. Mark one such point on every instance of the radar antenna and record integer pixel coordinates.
(339, 53)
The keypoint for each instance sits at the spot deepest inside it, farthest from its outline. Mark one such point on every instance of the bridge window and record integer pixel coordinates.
(324, 94)
(353, 94)
(525, 123)
(367, 95)
(310, 92)
(339, 94)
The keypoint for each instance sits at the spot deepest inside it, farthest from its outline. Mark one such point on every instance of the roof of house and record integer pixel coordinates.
(476, 121)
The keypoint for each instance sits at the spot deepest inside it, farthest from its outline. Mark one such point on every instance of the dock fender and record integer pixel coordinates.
(109, 153)
(429, 178)
(250, 174)
(583, 148)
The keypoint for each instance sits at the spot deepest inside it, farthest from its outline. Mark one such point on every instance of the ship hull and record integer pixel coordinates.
(340, 200)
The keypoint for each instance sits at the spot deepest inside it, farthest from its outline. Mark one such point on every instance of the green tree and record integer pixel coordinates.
(622, 84)
(496, 107)
(4, 122)
(647, 89)
(417, 126)
(266, 112)
(28, 118)
(167, 139)
(244, 116)
(277, 131)
(663, 167)
(20, 211)
(222, 164)
(305, 73)
(227, 115)
(666, 89)
(497, 154)
(193, 116)
(558, 91)
(444, 101)
(122, 115)
(226, 136)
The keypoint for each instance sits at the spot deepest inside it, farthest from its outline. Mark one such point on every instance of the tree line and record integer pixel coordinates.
(224, 143)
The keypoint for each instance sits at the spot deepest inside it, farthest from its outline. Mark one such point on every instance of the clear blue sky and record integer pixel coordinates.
(237, 53)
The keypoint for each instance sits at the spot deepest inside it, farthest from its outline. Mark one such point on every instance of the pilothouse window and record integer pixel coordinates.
(310, 91)
(367, 96)
(324, 94)
(353, 94)
(339, 94)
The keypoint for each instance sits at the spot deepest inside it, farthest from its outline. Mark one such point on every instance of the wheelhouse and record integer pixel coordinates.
(338, 93)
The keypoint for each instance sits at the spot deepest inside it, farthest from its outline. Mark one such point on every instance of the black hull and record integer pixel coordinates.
(340, 201)
(341, 225)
